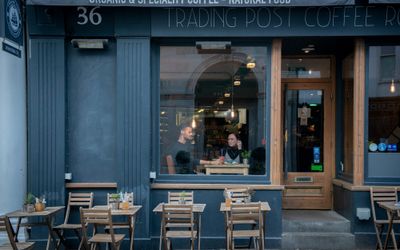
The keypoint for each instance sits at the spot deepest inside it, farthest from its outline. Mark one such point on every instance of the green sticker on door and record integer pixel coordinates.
(316, 167)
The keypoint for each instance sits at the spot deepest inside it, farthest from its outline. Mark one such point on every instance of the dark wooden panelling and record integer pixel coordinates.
(133, 122)
(46, 119)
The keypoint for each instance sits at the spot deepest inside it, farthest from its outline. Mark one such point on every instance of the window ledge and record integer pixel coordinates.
(213, 186)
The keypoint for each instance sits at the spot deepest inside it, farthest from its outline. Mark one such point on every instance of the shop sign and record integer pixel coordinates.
(310, 21)
(10, 49)
(192, 3)
(13, 21)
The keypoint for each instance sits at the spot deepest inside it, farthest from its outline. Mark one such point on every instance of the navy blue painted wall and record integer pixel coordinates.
(91, 117)
(46, 119)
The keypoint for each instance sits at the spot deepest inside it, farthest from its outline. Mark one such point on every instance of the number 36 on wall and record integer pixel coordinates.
(93, 17)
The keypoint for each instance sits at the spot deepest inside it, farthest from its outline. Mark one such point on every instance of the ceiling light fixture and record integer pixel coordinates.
(251, 65)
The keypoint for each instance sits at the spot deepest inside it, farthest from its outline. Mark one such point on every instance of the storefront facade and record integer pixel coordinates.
(114, 85)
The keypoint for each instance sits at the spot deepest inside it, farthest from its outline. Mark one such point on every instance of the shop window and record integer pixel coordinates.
(212, 95)
(383, 110)
(384, 99)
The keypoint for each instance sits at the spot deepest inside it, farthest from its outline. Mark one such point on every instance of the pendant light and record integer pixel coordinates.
(392, 87)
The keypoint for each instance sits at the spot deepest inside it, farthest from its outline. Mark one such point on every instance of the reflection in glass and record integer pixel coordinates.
(216, 93)
(300, 67)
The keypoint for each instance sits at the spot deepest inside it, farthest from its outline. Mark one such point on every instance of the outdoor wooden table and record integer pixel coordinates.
(198, 208)
(48, 214)
(391, 211)
(227, 169)
(131, 213)
(223, 208)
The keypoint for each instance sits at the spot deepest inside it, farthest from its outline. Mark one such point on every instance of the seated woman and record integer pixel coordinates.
(232, 153)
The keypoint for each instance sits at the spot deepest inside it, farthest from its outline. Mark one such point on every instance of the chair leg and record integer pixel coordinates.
(394, 239)
(378, 236)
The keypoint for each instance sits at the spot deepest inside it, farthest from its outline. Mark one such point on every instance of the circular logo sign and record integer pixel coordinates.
(13, 18)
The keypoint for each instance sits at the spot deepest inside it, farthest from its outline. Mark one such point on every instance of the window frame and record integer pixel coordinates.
(155, 83)
(371, 180)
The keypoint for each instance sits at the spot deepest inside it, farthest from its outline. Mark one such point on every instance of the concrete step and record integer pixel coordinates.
(314, 221)
(316, 229)
(314, 240)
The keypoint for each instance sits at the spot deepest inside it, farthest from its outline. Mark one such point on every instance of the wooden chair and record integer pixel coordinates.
(75, 200)
(240, 215)
(178, 222)
(99, 217)
(5, 226)
(176, 197)
(239, 194)
(382, 194)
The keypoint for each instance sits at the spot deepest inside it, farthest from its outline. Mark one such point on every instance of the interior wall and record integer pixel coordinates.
(13, 138)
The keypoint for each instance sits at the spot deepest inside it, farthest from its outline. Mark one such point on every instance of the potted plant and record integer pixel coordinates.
(182, 197)
(29, 203)
(245, 156)
(114, 200)
(40, 203)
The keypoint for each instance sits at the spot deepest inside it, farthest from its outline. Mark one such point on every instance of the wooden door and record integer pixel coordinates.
(308, 149)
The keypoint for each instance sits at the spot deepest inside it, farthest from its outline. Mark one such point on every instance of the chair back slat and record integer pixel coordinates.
(97, 216)
(241, 212)
(239, 194)
(174, 215)
(176, 197)
(381, 194)
(2, 224)
(130, 198)
(78, 200)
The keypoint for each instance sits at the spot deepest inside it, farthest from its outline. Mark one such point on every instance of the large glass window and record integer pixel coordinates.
(384, 99)
(212, 109)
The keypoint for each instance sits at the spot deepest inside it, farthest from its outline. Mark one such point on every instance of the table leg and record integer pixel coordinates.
(17, 229)
(161, 224)
(132, 220)
(226, 230)
(198, 233)
(389, 231)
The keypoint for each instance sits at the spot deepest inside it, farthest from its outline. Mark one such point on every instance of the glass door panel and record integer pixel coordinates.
(304, 130)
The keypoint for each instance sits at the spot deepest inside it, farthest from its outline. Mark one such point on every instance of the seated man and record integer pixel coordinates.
(179, 158)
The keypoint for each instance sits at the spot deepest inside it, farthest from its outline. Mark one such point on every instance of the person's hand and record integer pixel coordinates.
(216, 162)
(239, 144)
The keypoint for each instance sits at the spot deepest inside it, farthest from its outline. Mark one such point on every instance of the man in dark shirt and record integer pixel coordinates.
(179, 158)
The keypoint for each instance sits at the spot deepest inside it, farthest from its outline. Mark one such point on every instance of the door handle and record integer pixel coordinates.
(286, 136)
